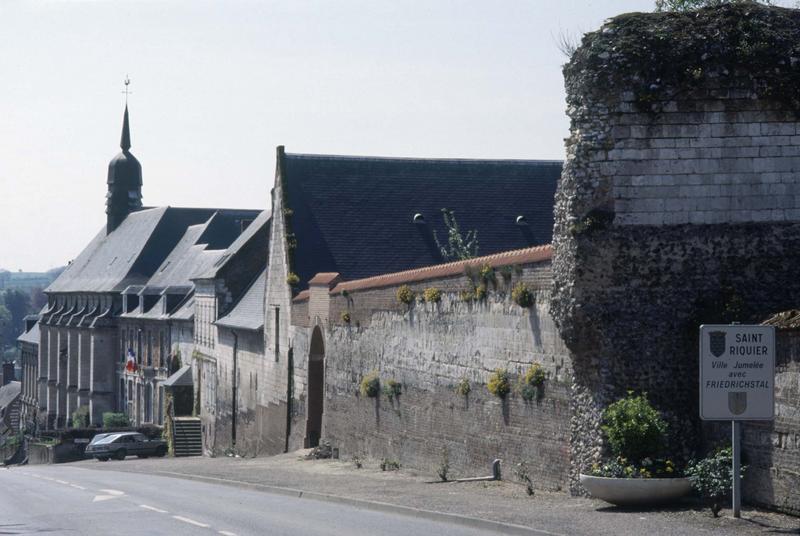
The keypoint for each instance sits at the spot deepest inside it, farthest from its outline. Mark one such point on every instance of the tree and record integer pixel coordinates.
(15, 305)
(5, 327)
(458, 247)
(690, 5)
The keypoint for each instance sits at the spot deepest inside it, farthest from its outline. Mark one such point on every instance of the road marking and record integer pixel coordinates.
(77, 486)
(63, 482)
(112, 494)
(153, 508)
(226, 533)
(191, 521)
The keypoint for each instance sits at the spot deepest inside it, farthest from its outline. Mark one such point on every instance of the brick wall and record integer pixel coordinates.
(429, 348)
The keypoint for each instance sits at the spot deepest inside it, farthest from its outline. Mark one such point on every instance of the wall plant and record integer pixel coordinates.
(370, 385)
(499, 383)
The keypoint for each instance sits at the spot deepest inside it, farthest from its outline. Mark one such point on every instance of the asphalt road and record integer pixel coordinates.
(71, 500)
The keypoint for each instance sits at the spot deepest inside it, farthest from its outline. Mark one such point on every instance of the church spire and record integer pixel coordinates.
(124, 178)
(125, 142)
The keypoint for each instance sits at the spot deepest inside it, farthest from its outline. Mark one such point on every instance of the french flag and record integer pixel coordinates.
(130, 364)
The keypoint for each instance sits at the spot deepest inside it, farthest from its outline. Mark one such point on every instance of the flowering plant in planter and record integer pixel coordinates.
(636, 473)
(621, 467)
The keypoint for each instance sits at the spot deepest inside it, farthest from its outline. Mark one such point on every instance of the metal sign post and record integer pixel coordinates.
(736, 495)
(737, 374)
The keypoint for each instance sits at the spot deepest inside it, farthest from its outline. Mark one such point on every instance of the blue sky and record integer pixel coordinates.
(217, 85)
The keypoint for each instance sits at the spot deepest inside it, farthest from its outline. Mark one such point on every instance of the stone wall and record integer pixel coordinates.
(248, 349)
(429, 348)
(678, 205)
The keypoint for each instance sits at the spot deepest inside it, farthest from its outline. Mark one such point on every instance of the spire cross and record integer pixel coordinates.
(126, 91)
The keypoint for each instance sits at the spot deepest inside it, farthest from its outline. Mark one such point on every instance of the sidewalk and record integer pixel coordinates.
(502, 502)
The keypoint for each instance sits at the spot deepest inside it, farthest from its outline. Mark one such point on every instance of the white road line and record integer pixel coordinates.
(191, 521)
(63, 482)
(226, 533)
(114, 492)
(153, 508)
(77, 486)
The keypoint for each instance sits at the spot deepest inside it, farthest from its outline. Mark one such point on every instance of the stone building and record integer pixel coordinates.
(155, 314)
(219, 289)
(359, 217)
(236, 419)
(28, 343)
(81, 348)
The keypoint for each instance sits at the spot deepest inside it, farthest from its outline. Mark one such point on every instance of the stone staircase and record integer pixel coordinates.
(13, 416)
(187, 436)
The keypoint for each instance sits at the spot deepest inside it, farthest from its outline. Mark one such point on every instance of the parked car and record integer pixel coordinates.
(122, 444)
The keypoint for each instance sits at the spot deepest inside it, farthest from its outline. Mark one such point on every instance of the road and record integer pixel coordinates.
(71, 500)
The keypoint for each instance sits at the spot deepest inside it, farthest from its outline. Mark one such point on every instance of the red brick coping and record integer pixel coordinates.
(506, 258)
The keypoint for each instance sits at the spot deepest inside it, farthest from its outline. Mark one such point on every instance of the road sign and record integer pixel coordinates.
(737, 372)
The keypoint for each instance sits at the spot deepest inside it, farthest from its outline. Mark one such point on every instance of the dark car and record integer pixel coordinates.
(124, 444)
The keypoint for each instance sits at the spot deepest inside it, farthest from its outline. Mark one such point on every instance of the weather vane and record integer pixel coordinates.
(126, 91)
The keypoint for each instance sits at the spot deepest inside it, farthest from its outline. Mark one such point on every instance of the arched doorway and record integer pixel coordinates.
(316, 389)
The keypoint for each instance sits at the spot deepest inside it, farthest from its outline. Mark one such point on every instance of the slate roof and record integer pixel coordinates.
(9, 393)
(132, 253)
(31, 336)
(248, 313)
(258, 231)
(354, 215)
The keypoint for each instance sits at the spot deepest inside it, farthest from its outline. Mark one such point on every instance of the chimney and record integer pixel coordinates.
(8, 372)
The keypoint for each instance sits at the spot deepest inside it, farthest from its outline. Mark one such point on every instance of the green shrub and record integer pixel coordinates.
(522, 295)
(480, 292)
(530, 384)
(432, 295)
(467, 295)
(405, 295)
(389, 465)
(712, 477)
(80, 417)
(487, 273)
(370, 385)
(346, 317)
(499, 383)
(443, 470)
(463, 387)
(634, 428)
(523, 472)
(392, 388)
(292, 279)
(115, 420)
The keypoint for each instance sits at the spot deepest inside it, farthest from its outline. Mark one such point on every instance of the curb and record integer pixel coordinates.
(430, 515)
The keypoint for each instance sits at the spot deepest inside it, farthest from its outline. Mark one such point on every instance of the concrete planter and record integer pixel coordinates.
(636, 491)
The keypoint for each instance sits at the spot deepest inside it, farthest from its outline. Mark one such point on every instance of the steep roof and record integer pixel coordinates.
(354, 215)
(248, 313)
(9, 393)
(132, 253)
(258, 231)
(31, 336)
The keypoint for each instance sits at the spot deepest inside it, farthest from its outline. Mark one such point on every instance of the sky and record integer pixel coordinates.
(217, 85)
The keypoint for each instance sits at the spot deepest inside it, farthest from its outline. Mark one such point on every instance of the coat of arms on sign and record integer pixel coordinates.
(737, 402)
(716, 342)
